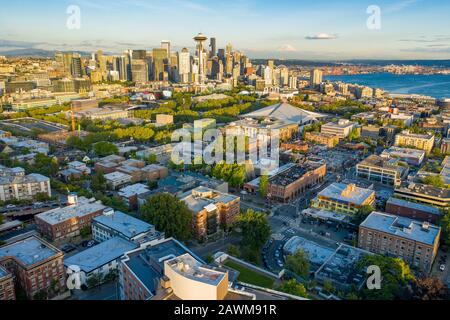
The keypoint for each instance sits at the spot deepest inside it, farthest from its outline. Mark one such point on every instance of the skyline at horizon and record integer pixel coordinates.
(297, 30)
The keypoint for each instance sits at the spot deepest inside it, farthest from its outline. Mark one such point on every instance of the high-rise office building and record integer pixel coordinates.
(184, 65)
(139, 71)
(213, 47)
(139, 54)
(122, 67)
(165, 44)
(159, 64)
(76, 67)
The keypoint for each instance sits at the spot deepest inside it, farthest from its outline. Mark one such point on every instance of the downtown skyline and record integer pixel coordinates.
(287, 29)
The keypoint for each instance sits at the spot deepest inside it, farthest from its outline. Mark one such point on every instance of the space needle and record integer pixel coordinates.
(200, 39)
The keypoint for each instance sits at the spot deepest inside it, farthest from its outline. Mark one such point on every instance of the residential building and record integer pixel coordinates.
(342, 128)
(295, 181)
(99, 261)
(413, 210)
(328, 139)
(425, 194)
(382, 170)
(23, 187)
(415, 242)
(65, 223)
(210, 209)
(445, 146)
(118, 224)
(343, 198)
(7, 291)
(417, 141)
(117, 179)
(412, 157)
(131, 193)
(316, 78)
(37, 267)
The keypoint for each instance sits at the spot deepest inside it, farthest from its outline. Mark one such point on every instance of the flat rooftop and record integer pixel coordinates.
(203, 198)
(148, 264)
(292, 174)
(425, 190)
(346, 193)
(404, 152)
(101, 254)
(380, 162)
(317, 254)
(190, 268)
(402, 227)
(124, 224)
(29, 251)
(3, 272)
(117, 175)
(416, 135)
(83, 207)
(414, 206)
(134, 189)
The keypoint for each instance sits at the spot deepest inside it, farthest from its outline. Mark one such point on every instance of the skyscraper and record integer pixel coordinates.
(212, 45)
(139, 70)
(139, 54)
(159, 64)
(184, 65)
(77, 67)
(200, 39)
(165, 44)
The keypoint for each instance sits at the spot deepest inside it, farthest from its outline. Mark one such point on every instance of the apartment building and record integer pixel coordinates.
(415, 242)
(23, 187)
(7, 291)
(423, 142)
(130, 194)
(382, 170)
(118, 179)
(118, 224)
(210, 209)
(328, 139)
(289, 184)
(63, 223)
(342, 128)
(36, 265)
(424, 194)
(343, 198)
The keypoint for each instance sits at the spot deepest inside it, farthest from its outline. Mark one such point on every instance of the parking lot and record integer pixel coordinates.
(441, 267)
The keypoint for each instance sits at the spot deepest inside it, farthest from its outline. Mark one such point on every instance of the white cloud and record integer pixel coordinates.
(287, 48)
(400, 6)
(322, 36)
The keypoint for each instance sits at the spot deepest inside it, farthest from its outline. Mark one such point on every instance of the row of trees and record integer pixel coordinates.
(234, 174)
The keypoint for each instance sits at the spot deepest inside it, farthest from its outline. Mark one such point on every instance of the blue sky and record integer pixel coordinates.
(410, 29)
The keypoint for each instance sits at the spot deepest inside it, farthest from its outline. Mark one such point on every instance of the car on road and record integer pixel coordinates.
(442, 267)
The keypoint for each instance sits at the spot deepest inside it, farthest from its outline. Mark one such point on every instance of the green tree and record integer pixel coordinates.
(168, 214)
(362, 214)
(255, 229)
(152, 159)
(2, 219)
(263, 185)
(294, 288)
(396, 275)
(85, 232)
(435, 181)
(233, 251)
(299, 263)
(98, 182)
(445, 225)
(104, 148)
(354, 134)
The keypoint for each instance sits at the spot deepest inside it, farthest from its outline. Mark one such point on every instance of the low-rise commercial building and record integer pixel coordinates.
(423, 142)
(379, 169)
(413, 157)
(413, 210)
(415, 242)
(254, 128)
(210, 209)
(293, 182)
(342, 128)
(63, 223)
(343, 198)
(328, 139)
(37, 267)
(425, 194)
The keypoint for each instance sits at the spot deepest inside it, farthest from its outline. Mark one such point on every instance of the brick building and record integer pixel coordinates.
(330, 140)
(37, 267)
(7, 291)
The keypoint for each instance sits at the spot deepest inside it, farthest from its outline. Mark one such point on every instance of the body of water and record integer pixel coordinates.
(437, 86)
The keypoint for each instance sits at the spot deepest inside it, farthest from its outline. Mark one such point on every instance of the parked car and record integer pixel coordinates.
(90, 244)
(68, 248)
(10, 206)
(442, 267)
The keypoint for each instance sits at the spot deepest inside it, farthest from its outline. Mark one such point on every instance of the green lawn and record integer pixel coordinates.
(251, 277)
